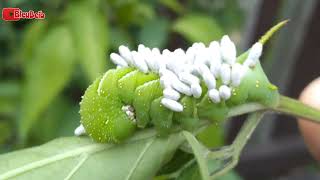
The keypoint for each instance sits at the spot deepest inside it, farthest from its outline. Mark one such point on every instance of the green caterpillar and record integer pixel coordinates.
(104, 120)
(130, 97)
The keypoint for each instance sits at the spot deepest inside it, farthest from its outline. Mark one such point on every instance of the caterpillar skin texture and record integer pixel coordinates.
(105, 121)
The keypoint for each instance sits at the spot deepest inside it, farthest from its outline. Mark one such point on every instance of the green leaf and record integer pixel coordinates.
(195, 28)
(90, 33)
(199, 152)
(33, 34)
(80, 158)
(46, 75)
(154, 33)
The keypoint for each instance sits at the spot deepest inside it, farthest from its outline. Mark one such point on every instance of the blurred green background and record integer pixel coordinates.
(46, 65)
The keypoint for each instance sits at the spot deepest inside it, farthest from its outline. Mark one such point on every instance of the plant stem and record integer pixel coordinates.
(246, 108)
(246, 131)
(293, 107)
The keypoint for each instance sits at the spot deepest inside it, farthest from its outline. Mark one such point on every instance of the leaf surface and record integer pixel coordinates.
(199, 153)
(79, 158)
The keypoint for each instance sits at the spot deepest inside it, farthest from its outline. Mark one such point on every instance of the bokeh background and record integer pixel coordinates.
(46, 65)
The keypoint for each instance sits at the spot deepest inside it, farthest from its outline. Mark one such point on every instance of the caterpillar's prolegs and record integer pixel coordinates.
(144, 95)
(188, 118)
(212, 111)
(161, 117)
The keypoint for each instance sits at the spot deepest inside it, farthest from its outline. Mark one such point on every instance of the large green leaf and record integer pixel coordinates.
(46, 75)
(79, 158)
(198, 28)
(90, 32)
(32, 36)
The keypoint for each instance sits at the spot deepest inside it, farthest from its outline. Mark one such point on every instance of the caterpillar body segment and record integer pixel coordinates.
(144, 95)
(129, 83)
(212, 111)
(107, 122)
(162, 117)
(260, 89)
(100, 109)
(188, 118)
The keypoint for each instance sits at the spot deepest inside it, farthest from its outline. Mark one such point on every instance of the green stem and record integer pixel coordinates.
(246, 131)
(296, 108)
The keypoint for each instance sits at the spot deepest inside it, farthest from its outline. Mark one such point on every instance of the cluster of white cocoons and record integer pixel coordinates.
(182, 71)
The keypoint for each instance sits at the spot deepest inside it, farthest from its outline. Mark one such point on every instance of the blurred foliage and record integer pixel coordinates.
(45, 65)
(207, 28)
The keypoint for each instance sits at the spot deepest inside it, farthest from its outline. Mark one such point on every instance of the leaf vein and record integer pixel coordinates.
(83, 158)
(37, 164)
(139, 159)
